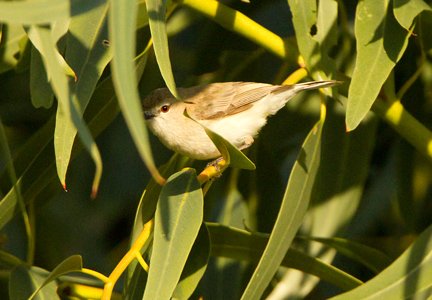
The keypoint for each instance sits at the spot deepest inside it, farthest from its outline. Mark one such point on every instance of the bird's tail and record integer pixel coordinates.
(315, 85)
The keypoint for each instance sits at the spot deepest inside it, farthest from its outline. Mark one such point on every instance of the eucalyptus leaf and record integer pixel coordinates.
(88, 56)
(71, 264)
(232, 156)
(293, 209)
(122, 41)
(24, 281)
(156, 10)
(178, 218)
(381, 42)
(406, 11)
(408, 277)
(315, 35)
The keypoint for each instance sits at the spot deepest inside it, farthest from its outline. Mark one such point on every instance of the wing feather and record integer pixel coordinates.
(218, 100)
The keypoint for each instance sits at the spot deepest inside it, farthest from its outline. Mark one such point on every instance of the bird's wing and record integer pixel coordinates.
(218, 100)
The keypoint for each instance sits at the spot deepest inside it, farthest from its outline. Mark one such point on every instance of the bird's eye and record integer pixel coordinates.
(165, 108)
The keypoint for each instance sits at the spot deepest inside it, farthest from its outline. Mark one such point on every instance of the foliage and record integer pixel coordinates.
(337, 207)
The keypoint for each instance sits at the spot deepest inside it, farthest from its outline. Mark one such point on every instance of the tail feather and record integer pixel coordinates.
(315, 85)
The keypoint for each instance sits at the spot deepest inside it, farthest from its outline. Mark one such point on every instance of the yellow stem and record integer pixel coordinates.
(296, 76)
(241, 24)
(95, 274)
(69, 290)
(405, 124)
(211, 171)
(134, 252)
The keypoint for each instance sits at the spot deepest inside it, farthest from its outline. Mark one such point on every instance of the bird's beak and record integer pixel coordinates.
(148, 115)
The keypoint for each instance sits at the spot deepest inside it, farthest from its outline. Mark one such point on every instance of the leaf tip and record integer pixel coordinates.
(64, 186)
(94, 192)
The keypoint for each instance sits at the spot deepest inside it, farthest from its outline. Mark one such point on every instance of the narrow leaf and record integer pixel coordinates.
(70, 264)
(242, 245)
(409, 277)
(314, 41)
(156, 10)
(25, 280)
(195, 266)
(293, 209)
(372, 258)
(381, 41)
(42, 11)
(122, 41)
(178, 218)
(88, 56)
(233, 156)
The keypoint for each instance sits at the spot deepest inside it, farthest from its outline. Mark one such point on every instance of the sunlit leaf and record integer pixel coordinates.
(293, 209)
(406, 11)
(315, 34)
(156, 10)
(177, 221)
(381, 41)
(88, 56)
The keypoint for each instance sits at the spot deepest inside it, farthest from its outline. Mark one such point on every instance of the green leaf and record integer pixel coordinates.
(243, 245)
(42, 11)
(44, 39)
(122, 41)
(406, 11)
(315, 34)
(327, 18)
(37, 153)
(25, 280)
(9, 261)
(156, 10)
(88, 56)
(381, 41)
(233, 156)
(178, 218)
(70, 264)
(338, 188)
(10, 37)
(409, 277)
(146, 210)
(372, 258)
(293, 209)
(41, 92)
(195, 266)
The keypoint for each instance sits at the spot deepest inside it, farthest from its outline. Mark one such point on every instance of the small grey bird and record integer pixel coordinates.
(234, 110)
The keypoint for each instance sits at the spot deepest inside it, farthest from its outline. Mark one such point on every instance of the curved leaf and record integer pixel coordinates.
(315, 34)
(406, 11)
(88, 57)
(381, 41)
(122, 41)
(409, 277)
(233, 156)
(156, 10)
(372, 258)
(243, 245)
(178, 218)
(195, 266)
(70, 264)
(293, 209)
(24, 281)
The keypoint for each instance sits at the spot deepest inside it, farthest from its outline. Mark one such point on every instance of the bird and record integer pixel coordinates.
(234, 110)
